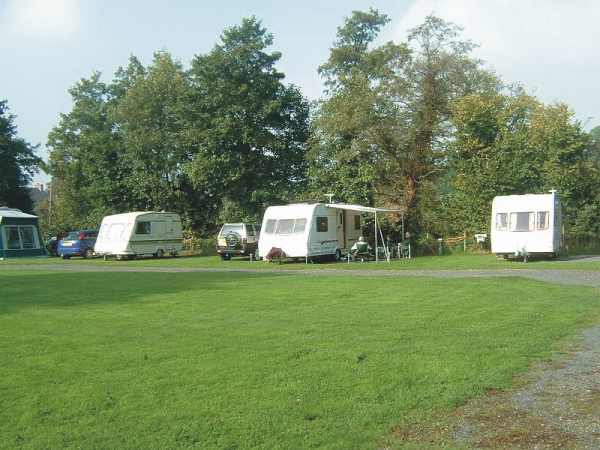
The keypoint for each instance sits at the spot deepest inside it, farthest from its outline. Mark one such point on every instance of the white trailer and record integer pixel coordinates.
(139, 233)
(305, 230)
(526, 225)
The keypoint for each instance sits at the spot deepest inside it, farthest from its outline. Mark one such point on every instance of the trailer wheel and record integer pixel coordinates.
(338, 255)
(159, 253)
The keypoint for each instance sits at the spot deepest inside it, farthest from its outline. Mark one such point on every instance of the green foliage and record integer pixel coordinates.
(381, 133)
(228, 131)
(194, 243)
(249, 127)
(18, 163)
(418, 125)
(514, 144)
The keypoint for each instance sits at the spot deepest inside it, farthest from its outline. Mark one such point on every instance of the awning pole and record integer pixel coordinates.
(376, 249)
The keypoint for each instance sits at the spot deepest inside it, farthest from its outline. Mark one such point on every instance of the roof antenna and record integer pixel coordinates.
(330, 196)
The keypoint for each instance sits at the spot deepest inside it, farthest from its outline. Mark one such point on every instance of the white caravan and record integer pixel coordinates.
(525, 225)
(305, 230)
(139, 233)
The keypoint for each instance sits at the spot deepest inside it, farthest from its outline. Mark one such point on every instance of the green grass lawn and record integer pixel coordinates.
(260, 361)
(457, 261)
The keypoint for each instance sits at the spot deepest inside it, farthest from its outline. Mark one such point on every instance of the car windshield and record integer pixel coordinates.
(235, 228)
(72, 236)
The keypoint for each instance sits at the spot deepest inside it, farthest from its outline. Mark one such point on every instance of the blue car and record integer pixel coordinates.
(77, 243)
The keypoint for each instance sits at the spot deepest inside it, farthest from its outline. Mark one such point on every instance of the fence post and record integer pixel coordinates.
(465, 241)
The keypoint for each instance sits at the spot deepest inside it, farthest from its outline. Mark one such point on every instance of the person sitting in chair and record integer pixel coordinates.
(360, 247)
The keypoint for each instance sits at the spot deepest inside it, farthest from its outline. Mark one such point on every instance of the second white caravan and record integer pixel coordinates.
(140, 234)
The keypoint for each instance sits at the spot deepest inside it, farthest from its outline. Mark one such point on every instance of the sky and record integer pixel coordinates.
(551, 47)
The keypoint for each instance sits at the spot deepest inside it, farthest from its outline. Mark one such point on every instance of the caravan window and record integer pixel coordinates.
(143, 228)
(502, 221)
(322, 224)
(522, 221)
(300, 226)
(270, 227)
(357, 222)
(285, 226)
(543, 220)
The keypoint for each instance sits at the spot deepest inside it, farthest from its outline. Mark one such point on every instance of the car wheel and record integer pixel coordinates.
(88, 253)
(65, 256)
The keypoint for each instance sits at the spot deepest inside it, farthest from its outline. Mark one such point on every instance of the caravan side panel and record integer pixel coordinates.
(154, 232)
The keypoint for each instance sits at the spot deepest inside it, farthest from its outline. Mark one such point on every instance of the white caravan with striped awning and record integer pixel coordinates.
(140, 233)
(304, 230)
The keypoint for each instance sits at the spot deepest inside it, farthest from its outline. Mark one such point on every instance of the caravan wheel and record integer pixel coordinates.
(338, 255)
(159, 253)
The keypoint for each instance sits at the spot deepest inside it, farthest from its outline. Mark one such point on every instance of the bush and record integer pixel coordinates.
(198, 245)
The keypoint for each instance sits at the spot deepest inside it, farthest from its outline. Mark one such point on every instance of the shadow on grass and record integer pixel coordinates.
(34, 290)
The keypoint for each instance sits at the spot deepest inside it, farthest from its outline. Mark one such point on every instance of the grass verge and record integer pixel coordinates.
(248, 361)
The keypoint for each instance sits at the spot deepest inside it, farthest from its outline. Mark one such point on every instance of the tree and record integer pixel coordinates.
(151, 124)
(383, 129)
(18, 163)
(217, 141)
(248, 128)
(514, 144)
(85, 159)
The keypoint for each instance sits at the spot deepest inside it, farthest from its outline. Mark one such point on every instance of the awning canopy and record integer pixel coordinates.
(360, 208)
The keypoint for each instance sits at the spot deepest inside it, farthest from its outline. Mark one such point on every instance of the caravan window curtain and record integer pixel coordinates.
(270, 227)
(543, 220)
(522, 221)
(502, 221)
(300, 226)
(285, 226)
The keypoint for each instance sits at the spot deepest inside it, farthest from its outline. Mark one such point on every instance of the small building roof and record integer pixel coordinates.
(15, 213)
